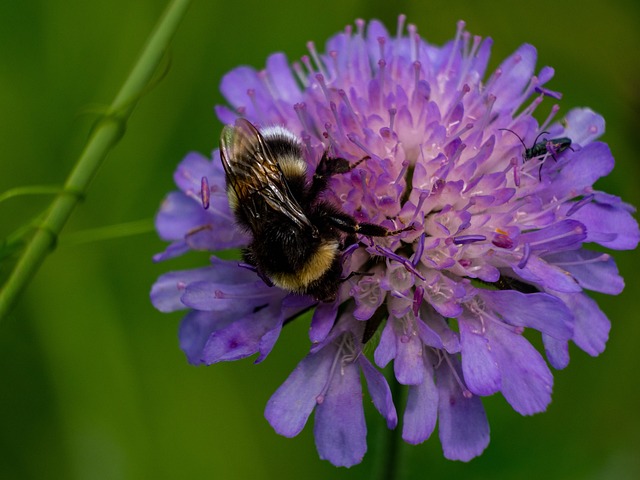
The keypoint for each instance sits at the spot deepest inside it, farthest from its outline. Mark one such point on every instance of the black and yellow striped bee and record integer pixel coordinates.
(297, 237)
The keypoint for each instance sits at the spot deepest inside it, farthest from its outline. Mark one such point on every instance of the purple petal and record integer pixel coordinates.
(526, 379)
(219, 297)
(592, 326)
(557, 351)
(166, 293)
(379, 391)
(178, 215)
(540, 272)
(516, 74)
(174, 250)
(289, 408)
(386, 349)
(421, 411)
(463, 426)
(236, 83)
(450, 340)
(195, 329)
(595, 271)
(340, 429)
(583, 125)
(195, 166)
(182, 217)
(323, 319)
(586, 166)
(540, 311)
(480, 369)
(560, 235)
(281, 79)
(408, 365)
(429, 336)
(243, 337)
(610, 226)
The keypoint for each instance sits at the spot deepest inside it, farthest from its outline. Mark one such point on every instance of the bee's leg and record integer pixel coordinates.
(350, 225)
(353, 274)
(328, 167)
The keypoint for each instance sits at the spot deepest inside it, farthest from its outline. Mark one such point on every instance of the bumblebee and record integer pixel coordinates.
(297, 237)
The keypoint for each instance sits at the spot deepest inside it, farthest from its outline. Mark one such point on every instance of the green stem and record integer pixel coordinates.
(31, 190)
(103, 138)
(391, 453)
(108, 232)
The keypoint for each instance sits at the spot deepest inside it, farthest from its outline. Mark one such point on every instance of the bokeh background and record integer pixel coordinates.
(92, 382)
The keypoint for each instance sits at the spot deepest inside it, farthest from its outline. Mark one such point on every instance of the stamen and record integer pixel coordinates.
(381, 75)
(467, 239)
(303, 116)
(205, 192)
(354, 139)
(345, 99)
(502, 240)
(392, 117)
(466, 56)
(381, 43)
(321, 396)
(423, 196)
(307, 63)
(460, 132)
(465, 391)
(418, 297)
(360, 24)
(605, 257)
(456, 47)
(516, 171)
(403, 171)
(316, 58)
(577, 230)
(400, 30)
(579, 204)
(363, 181)
(300, 75)
(419, 250)
(414, 42)
(528, 111)
(404, 261)
(529, 89)
(252, 96)
(334, 110)
(454, 103)
(334, 60)
(525, 256)
(323, 86)
(492, 80)
(552, 113)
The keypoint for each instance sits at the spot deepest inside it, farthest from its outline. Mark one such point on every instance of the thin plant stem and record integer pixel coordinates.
(108, 232)
(391, 454)
(31, 190)
(106, 134)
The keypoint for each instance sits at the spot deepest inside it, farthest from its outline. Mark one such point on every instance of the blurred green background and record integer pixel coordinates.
(93, 384)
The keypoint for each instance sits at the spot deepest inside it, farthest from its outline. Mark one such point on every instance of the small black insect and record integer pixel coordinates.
(553, 147)
(297, 238)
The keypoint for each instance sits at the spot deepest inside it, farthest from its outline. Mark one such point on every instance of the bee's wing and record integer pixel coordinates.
(252, 171)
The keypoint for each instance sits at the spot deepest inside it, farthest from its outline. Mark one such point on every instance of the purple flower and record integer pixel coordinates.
(499, 243)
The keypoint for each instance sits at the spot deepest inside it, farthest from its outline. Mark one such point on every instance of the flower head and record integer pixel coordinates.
(501, 208)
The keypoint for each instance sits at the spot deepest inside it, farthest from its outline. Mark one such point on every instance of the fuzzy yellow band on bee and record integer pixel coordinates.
(315, 267)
